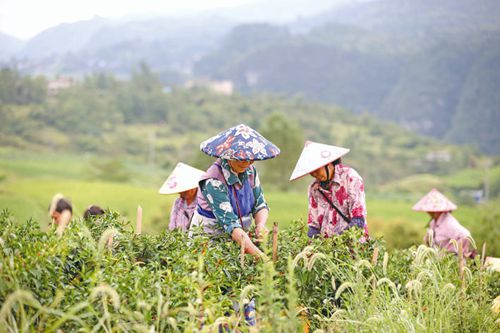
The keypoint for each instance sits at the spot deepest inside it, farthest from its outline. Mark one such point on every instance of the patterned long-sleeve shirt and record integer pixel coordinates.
(216, 193)
(346, 191)
(446, 228)
(181, 214)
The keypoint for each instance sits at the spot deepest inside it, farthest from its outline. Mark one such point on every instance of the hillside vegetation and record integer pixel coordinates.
(136, 118)
(428, 65)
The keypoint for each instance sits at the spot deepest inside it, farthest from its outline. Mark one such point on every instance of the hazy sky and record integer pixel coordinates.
(26, 18)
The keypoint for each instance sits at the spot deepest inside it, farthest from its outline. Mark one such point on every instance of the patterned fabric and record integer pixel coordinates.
(434, 201)
(181, 214)
(240, 143)
(446, 228)
(346, 192)
(217, 201)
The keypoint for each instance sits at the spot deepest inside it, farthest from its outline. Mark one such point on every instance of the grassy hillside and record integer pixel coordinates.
(135, 120)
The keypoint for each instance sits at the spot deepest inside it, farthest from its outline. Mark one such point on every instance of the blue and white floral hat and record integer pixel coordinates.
(241, 143)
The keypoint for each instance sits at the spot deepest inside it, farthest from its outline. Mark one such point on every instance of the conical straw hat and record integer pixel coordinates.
(434, 201)
(241, 143)
(314, 156)
(183, 178)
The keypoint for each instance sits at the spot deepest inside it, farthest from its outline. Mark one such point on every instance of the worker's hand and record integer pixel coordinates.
(261, 232)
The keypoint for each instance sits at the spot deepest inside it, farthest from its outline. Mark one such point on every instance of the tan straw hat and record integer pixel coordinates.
(314, 156)
(183, 178)
(434, 201)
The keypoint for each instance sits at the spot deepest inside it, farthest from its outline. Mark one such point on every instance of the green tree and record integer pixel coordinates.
(287, 134)
(16, 89)
(144, 100)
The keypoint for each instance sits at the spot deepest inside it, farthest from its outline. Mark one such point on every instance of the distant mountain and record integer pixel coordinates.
(430, 65)
(165, 43)
(410, 61)
(477, 115)
(99, 45)
(9, 46)
(61, 39)
(417, 17)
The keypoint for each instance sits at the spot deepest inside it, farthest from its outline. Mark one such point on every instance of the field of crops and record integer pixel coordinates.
(169, 283)
(162, 281)
(28, 181)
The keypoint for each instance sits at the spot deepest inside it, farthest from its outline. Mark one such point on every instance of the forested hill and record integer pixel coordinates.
(431, 66)
(140, 119)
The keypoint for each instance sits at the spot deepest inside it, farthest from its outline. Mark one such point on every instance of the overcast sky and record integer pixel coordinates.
(25, 18)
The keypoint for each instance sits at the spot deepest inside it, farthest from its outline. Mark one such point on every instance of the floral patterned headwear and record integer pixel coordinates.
(434, 201)
(183, 178)
(241, 143)
(314, 156)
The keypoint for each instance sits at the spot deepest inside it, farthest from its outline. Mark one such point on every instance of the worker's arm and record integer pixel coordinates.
(241, 237)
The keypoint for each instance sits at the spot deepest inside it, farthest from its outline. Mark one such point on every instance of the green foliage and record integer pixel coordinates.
(31, 180)
(110, 170)
(287, 135)
(475, 96)
(426, 71)
(83, 281)
(16, 89)
(136, 119)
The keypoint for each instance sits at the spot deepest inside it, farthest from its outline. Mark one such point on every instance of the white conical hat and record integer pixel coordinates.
(434, 201)
(314, 156)
(183, 178)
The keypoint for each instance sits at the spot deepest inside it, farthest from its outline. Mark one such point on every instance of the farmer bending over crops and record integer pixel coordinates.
(60, 210)
(444, 227)
(92, 210)
(183, 180)
(336, 196)
(230, 193)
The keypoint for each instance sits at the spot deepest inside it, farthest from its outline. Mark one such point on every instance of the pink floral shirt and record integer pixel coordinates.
(181, 214)
(347, 193)
(446, 228)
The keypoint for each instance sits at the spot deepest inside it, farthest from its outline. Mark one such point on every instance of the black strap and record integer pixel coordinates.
(189, 220)
(335, 207)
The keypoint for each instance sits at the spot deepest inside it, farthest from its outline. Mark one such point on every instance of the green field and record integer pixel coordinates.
(28, 182)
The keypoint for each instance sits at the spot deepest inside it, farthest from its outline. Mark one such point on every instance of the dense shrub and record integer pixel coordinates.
(171, 283)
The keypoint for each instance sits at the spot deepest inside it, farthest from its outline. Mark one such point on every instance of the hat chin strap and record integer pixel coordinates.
(324, 184)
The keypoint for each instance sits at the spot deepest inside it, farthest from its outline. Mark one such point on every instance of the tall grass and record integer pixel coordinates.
(166, 283)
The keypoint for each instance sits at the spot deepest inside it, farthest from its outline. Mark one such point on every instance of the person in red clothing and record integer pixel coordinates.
(337, 194)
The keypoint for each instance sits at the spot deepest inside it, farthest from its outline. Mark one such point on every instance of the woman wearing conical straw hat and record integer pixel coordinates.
(230, 193)
(443, 226)
(184, 181)
(337, 194)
